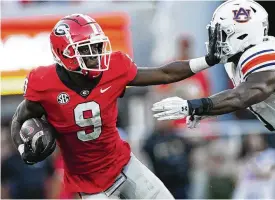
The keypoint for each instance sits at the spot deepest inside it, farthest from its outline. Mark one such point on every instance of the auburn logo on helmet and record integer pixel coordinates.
(242, 15)
(61, 29)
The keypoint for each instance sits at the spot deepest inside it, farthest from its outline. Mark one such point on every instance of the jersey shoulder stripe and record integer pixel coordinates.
(255, 54)
(259, 67)
(257, 59)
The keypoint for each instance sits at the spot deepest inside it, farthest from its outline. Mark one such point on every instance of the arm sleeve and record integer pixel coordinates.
(30, 92)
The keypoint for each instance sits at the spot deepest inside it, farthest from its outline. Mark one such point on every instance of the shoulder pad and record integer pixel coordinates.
(39, 78)
(256, 57)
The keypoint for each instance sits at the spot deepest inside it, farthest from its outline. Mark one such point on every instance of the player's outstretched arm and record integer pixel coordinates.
(179, 70)
(26, 110)
(258, 87)
(169, 73)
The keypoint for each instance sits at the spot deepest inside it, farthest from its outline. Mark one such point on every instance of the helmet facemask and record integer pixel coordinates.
(224, 49)
(97, 47)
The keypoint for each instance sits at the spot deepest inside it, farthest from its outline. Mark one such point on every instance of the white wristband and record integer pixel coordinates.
(21, 149)
(198, 64)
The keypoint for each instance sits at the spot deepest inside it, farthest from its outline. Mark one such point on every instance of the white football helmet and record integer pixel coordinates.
(242, 23)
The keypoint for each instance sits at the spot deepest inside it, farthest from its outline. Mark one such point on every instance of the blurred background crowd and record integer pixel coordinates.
(227, 157)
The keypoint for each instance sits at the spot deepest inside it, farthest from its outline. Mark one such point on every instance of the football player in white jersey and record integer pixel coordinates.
(249, 57)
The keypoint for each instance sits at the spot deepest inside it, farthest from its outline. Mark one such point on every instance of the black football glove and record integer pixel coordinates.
(30, 156)
(212, 57)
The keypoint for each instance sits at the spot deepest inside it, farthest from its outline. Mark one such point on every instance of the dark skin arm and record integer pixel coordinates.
(258, 87)
(26, 110)
(177, 70)
(169, 73)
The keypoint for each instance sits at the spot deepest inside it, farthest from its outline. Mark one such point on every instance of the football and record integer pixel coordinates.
(38, 132)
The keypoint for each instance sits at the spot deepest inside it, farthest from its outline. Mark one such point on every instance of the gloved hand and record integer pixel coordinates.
(28, 155)
(212, 57)
(171, 108)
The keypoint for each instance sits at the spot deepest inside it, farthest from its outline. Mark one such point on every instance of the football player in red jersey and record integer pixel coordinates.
(78, 96)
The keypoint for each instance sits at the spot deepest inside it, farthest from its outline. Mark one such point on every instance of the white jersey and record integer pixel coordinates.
(256, 59)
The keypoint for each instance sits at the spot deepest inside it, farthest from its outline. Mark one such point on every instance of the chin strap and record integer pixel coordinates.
(90, 74)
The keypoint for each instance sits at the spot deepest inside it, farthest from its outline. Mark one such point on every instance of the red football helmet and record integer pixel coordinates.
(78, 30)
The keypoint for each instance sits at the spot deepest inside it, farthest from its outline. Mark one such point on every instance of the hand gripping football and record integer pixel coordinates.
(39, 135)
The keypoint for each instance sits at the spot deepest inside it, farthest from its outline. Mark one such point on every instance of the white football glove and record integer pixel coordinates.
(171, 108)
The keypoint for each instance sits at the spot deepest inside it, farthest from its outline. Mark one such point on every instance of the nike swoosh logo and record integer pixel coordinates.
(104, 90)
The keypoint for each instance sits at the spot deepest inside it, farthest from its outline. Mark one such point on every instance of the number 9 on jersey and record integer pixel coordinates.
(87, 115)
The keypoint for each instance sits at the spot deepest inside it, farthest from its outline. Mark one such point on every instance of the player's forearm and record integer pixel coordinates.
(15, 129)
(180, 70)
(258, 87)
(169, 73)
(235, 99)
(24, 111)
(176, 71)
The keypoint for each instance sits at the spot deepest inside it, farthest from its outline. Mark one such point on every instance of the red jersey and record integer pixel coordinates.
(85, 119)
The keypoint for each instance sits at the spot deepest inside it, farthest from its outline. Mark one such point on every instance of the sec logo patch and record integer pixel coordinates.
(63, 98)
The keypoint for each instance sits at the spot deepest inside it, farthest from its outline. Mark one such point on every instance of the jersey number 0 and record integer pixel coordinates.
(93, 120)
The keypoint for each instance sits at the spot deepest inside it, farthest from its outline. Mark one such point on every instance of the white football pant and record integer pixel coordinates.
(135, 182)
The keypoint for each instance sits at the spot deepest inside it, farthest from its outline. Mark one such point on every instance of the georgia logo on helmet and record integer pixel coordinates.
(61, 29)
(243, 23)
(74, 31)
